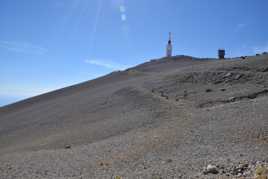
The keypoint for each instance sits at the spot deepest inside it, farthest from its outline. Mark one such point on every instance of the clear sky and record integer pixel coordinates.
(49, 44)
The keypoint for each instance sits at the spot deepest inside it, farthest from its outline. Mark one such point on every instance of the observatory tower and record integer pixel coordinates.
(169, 46)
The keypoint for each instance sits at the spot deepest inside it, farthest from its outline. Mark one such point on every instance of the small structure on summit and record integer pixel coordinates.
(221, 54)
(169, 47)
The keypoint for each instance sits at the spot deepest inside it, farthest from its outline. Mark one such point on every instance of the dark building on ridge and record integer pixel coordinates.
(221, 54)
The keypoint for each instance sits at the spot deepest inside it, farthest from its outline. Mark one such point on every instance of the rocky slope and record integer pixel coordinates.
(167, 118)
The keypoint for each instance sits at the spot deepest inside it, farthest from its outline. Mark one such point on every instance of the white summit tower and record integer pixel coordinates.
(169, 46)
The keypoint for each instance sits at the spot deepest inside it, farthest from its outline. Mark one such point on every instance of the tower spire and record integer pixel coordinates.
(169, 41)
(169, 46)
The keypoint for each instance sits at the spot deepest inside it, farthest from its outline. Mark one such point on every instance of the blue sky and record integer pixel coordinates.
(46, 45)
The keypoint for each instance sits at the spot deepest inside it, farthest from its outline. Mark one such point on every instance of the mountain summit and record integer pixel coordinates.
(166, 118)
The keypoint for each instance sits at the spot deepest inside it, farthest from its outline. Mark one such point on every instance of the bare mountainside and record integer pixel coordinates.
(168, 118)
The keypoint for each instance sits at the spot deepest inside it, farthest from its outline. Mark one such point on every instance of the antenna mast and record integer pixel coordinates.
(169, 46)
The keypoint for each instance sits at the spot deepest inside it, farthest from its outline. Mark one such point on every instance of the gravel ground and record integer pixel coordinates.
(181, 117)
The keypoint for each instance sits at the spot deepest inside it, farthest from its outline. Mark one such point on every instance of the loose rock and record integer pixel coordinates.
(208, 90)
(228, 75)
(67, 146)
(210, 169)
